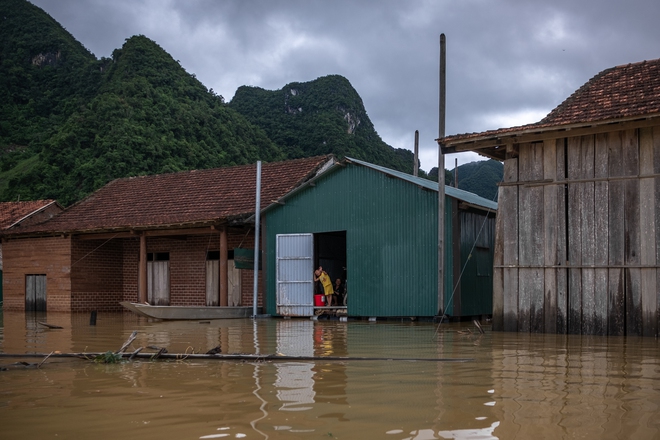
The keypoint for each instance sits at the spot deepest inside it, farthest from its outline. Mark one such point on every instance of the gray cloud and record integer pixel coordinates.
(509, 62)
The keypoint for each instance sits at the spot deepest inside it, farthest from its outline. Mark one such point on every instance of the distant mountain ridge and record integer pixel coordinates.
(324, 116)
(479, 177)
(70, 123)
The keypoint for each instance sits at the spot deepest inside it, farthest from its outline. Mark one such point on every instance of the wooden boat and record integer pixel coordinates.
(187, 312)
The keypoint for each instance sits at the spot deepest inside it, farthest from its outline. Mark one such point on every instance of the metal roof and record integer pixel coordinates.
(456, 193)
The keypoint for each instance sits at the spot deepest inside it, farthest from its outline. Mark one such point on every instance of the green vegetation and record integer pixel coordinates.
(108, 358)
(324, 116)
(479, 177)
(70, 123)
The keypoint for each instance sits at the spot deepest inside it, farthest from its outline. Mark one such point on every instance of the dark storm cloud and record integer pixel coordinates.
(509, 62)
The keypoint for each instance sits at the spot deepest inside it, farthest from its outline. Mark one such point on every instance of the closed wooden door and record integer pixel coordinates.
(35, 293)
(234, 281)
(213, 283)
(158, 279)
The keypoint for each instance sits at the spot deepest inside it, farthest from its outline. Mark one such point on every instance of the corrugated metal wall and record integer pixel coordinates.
(477, 247)
(391, 239)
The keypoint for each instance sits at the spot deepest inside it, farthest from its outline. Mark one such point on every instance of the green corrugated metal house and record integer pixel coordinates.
(376, 229)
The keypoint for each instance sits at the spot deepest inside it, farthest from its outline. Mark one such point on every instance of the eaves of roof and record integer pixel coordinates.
(469, 198)
(192, 199)
(493, 143)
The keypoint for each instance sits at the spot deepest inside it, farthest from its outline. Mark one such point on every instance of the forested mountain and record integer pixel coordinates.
(323, 116)
(70, 123)
(480, 177)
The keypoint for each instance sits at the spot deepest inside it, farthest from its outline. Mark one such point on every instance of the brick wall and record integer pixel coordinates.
(188, 266)
(87, 275)
(50, 256)
(96, 275)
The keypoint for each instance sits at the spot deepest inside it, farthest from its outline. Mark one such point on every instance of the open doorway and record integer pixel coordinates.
(296, 257)
(330, 253)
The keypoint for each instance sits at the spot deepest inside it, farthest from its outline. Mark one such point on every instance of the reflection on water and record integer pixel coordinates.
(517, 386)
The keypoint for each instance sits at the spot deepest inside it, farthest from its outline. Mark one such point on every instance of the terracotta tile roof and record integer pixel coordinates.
(12, 212)
(183, 199)
(617, 93)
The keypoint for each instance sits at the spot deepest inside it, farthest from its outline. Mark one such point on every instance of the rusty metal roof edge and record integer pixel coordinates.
(498, 135)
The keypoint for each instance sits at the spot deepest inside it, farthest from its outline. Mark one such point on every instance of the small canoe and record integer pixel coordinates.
(187, 312)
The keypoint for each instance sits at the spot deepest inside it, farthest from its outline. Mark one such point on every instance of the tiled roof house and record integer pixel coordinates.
(14, 214)
(578, 232)
(182, 227)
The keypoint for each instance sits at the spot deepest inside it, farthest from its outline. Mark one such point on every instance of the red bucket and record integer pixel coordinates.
(318, 301)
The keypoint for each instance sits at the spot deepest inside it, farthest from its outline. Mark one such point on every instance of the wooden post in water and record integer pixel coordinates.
(441, 179)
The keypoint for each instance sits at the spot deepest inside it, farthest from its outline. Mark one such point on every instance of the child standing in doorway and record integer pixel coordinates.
(326, 282)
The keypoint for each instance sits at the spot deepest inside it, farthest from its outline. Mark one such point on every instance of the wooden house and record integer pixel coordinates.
(377, 230)
(165, 239)
(578, 229)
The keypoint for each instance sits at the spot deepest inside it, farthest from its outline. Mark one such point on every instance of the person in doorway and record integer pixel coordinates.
(339, 292)
(321, 276)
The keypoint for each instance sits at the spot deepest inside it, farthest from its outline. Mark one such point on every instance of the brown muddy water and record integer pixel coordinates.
(514, 386)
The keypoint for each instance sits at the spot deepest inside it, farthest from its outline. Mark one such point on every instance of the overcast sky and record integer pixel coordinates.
(509, 62)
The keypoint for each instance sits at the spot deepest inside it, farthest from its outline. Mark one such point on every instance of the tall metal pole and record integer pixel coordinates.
(257, 216)
(416, 155)
(441, 178)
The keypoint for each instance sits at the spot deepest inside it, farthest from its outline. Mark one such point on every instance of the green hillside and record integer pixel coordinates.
(324, 116)
(70, 123)
(480, 177)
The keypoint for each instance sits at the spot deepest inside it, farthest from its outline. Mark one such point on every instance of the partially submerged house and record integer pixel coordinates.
(578, 229)
(377, 230)
(20, 214)
(165, 239)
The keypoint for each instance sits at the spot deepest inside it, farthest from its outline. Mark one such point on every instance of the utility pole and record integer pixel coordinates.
(441, 178)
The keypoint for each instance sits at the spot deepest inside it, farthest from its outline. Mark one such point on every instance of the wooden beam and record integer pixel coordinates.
(188, 231)
(224, 278)
(142, 271)
(531, 135)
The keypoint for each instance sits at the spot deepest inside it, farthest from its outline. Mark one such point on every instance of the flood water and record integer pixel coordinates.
(513, 386)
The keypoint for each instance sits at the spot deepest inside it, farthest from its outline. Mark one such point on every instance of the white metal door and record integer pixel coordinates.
(294, 274)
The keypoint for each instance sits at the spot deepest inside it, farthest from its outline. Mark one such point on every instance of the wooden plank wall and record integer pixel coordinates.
(578, 236)
(509, 204)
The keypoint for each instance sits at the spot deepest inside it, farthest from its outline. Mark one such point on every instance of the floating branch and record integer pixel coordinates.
(234, 357)
(45, 324)
(128, 342)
